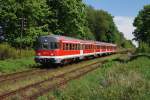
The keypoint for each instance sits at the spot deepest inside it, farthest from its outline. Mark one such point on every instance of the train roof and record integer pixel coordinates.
(59, 37)
(70, 39)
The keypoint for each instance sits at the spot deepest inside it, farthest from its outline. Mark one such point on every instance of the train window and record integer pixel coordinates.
(45, 46)
(67, 46)
(54, 45)
(64, 46)
(70, 46)
(73, 46)
(78, 46)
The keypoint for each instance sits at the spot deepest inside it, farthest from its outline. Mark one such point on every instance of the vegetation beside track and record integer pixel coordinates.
(9, 52)
(12, 59)
(13, 65)
(115, 80)
(36, 78)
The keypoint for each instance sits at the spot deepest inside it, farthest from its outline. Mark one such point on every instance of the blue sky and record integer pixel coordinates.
(124, 12)
(119, 7)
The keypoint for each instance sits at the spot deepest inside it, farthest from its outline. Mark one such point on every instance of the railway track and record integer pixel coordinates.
(23, 74)
(55, 77)
(34, 90)
(18, 75)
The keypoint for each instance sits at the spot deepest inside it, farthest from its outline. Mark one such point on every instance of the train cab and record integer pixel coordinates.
(47, 48)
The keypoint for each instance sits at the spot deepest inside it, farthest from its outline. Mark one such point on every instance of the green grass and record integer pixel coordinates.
(13, 65)
(113, 81)
(9, 52)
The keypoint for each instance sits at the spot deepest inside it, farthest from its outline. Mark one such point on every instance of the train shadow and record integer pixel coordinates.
(45, 66)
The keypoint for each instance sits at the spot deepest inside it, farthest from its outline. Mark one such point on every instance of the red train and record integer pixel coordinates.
(61, 49)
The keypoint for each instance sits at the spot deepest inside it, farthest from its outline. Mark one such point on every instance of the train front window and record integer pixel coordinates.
(45, 46)
(54, 45)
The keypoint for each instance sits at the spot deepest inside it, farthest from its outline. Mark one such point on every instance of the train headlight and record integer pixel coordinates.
(39, 54)
(52, 54)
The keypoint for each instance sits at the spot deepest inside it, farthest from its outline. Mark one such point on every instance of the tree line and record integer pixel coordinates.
(142, 31)
(23, 21)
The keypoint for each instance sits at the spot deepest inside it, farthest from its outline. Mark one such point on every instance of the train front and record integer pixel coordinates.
(47, 50)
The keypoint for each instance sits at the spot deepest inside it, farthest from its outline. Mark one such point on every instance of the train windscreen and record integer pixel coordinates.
(48, 46)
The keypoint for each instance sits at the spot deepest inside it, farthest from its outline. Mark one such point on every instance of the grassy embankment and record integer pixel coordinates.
(113, 81)
(12, 60)
(13, 65)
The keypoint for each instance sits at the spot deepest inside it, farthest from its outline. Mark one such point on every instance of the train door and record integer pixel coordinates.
(81, 49)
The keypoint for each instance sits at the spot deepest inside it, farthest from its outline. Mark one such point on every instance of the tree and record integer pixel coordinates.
(102, 26)
(34, 15)
(142, 24)
(69, 18)
(127, 44)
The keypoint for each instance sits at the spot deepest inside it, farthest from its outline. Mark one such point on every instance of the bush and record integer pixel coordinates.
(143, 48)
(6, 52)
(112, 81)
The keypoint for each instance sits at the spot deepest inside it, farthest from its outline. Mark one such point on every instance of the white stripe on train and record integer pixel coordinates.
(72, 56)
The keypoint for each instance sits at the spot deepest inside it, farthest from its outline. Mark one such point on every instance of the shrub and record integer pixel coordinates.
(113, 81)
(6, 52)
(143, 48)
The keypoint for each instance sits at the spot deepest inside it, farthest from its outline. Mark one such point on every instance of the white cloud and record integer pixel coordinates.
(125, 25)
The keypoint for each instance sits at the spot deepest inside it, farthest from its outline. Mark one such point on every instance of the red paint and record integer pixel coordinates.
(60, 52)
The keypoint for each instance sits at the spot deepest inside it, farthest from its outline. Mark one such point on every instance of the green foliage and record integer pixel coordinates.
(9, 65)
(143, 48)
(102, 26)
(69, 18)
(65, 17)
(35, 12)
(127, 44)
(142, 31)
(141, 22)
(113, 81)
(7, 52)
